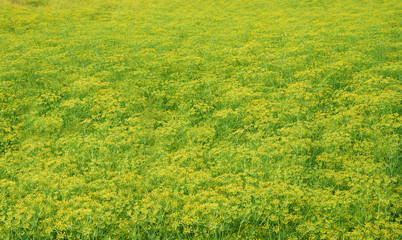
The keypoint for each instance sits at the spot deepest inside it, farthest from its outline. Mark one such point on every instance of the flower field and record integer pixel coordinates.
(200, 119)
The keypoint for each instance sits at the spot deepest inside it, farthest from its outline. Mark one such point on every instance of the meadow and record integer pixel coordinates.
(200, 119)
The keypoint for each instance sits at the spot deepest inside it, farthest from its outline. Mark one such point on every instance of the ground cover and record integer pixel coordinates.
(241, 119)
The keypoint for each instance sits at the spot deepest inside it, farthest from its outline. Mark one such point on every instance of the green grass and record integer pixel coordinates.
(200, 119)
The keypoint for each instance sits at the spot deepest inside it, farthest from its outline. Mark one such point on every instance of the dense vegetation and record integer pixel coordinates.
(227, 119)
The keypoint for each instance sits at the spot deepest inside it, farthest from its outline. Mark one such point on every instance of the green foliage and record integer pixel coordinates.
(200, 119)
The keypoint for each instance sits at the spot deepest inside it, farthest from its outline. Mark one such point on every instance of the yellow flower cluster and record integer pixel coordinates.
(200, 119)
